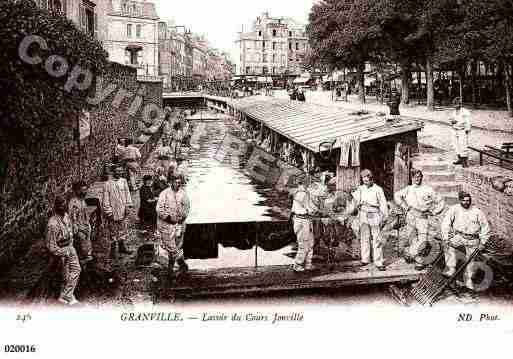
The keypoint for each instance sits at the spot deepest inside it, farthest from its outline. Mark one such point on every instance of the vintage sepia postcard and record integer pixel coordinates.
(308, 175)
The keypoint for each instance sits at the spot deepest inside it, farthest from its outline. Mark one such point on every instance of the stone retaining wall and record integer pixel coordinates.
(37, 172)
(490, 197)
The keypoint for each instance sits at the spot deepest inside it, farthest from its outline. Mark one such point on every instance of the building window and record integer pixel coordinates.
(264, 58)
(88, 20)
(274, 45)
(290, 33)
(274, 70)
(290, 45)
(274, 58)
(138, 30)
(260, 33)
(274, 33)
(129, 30)
(263, 44)
(265, 70)
(297, 45)
(247, 69)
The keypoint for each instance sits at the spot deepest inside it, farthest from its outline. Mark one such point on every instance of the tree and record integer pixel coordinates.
(345, 34)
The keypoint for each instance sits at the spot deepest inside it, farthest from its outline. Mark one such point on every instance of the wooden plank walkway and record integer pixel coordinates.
(280, 278)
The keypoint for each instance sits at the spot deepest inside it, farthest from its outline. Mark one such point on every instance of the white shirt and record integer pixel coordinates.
(422, 198)
(133, 153)
(174, 204)
(303, 201)
(463, 119)
(470, 221)
(372, 196)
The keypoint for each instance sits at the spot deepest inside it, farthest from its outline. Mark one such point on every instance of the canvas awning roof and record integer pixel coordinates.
(309, 124)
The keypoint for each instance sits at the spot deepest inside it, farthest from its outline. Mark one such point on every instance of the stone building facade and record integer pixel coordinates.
(132, 36)
(274, 46)
(88, 15)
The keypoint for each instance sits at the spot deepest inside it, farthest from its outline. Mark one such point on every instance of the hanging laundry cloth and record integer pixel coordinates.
(350, 152)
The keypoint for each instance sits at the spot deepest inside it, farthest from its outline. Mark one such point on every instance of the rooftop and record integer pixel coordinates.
(310, 124)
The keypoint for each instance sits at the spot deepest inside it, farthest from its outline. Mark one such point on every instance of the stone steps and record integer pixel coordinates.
(440, 174)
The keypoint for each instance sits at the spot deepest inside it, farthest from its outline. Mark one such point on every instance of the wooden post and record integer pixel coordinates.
(401, 166)
(256, 244)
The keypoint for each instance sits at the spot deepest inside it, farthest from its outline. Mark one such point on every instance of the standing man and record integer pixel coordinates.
(301, 95)
(419, 201)
(116, 204)
(59, 241)
(464, 226)
(133, 157)
(369, 199)
(303, 209)
(461, 124)
(173, 208)
(120, 150)
(77, 210)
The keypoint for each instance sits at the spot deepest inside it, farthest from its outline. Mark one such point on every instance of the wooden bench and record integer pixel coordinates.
(496, 153)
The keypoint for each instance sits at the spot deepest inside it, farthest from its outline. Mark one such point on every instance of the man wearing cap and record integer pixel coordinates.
(59, 241)
(369, 199)
(77, 209)
(419, 201)
(116, 204)
(463, 226)
(173, 207)
(133, 156)
(303, 208)
(461, 124)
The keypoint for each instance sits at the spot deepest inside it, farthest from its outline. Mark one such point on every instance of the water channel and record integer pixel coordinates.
(227, 202)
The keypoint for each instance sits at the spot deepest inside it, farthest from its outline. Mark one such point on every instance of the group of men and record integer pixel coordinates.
(69, 231)
(463, 225)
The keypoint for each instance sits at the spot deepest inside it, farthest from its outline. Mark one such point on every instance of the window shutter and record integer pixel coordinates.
(127, 57)
(139, 57)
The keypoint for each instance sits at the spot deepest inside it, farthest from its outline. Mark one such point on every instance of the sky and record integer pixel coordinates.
(220, 20)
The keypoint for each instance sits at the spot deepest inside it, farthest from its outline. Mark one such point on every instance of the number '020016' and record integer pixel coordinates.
(19, 348)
